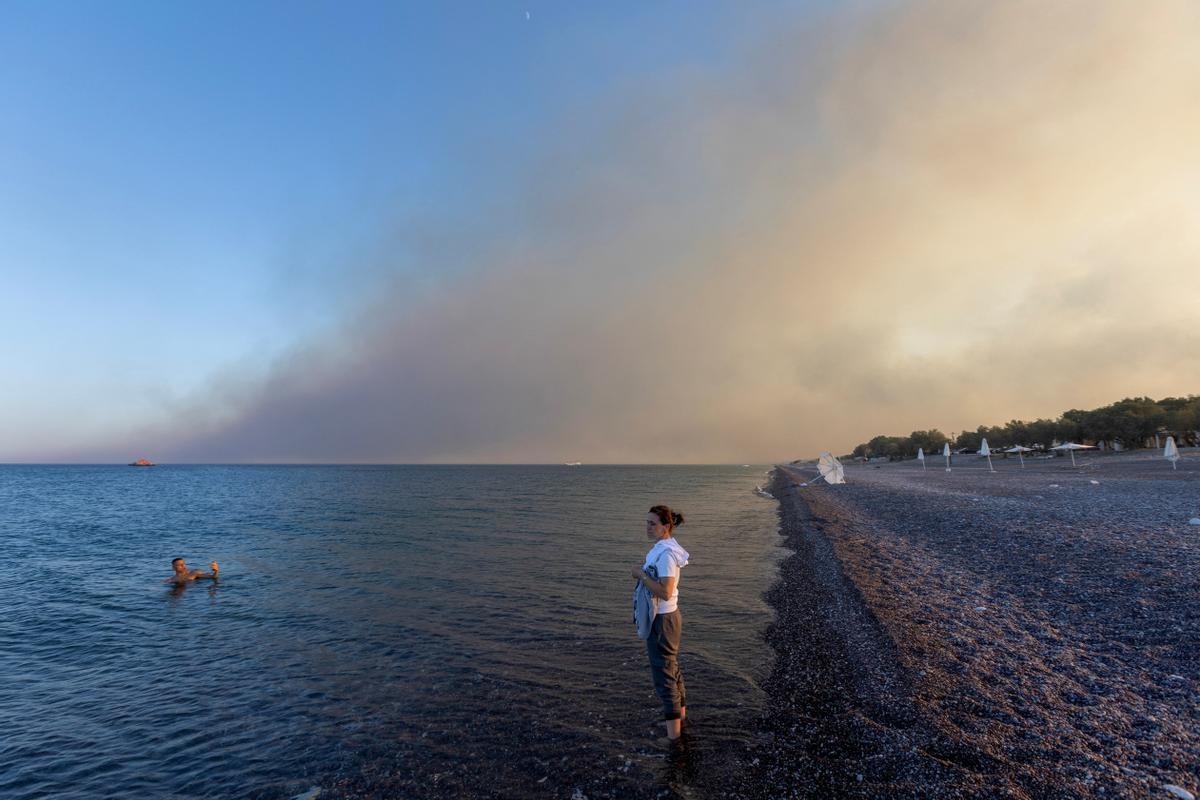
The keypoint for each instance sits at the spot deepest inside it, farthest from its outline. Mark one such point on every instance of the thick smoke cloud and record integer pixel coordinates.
(932, 214)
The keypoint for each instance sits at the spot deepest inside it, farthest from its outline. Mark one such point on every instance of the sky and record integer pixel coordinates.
(654, 232)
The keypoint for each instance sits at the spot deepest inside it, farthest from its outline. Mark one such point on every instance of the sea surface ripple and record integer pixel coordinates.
(377, 630)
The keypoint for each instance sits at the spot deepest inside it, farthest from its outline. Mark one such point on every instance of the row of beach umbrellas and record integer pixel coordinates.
(830, 469)
(946, 454)
(1170, 452)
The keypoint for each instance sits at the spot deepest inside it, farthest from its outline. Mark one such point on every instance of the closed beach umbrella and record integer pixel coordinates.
(1171, 452)
(984, 450)
(1019, 450)
(921, 457)
(946, 453)
(831, 469)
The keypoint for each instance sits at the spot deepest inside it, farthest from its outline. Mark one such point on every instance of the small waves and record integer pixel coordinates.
(381, 631)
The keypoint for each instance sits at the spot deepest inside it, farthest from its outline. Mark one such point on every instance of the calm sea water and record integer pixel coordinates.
(377, 631)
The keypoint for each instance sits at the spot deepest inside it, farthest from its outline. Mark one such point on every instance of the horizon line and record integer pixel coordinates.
(397, 463)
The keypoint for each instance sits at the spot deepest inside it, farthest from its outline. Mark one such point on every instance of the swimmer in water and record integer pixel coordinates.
(183, 575)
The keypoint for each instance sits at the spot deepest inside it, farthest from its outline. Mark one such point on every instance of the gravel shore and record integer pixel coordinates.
(1028, 633)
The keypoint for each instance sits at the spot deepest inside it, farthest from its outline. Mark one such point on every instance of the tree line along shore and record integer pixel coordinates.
(1128, 424)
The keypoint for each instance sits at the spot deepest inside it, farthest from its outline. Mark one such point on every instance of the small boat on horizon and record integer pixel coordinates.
(573, 464)
(142, 462)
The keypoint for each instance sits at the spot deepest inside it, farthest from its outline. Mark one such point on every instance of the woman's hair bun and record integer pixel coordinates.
(667, 516)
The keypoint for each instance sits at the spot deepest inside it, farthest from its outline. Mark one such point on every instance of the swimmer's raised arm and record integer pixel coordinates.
(184, 575)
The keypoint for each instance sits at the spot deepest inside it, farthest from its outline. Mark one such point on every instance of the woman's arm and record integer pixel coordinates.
(661, 588)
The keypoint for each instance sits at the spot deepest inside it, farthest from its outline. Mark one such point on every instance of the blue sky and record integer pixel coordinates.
(186, 186)
(549, 231)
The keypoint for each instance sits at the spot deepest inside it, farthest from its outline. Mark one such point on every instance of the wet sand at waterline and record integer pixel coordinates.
(1027, 633)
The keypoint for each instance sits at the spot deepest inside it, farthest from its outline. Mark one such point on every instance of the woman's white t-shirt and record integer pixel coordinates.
(662, 559)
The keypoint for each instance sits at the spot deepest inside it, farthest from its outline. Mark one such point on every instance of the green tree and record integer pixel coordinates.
(931, 440)
(1018, 432)
(1137, 420)
(1065, 430)
(1041, 432)
(969, 440)
(1082, 424)
(1183, 417)
(886, 447)
(1131, 421)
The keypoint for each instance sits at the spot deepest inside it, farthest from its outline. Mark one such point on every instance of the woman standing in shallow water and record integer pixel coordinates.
(660, 575)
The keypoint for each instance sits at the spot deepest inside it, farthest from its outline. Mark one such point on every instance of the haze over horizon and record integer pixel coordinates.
(636, 233)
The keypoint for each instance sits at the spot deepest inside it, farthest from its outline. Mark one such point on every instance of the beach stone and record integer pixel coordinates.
(1095, 482)
(1179, 791)
(1060, 614)
(1194, 521)
(311, 794)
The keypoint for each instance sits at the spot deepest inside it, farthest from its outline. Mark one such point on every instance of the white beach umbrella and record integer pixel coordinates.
(1019, 450)
(921, 457)
(946, 454)
(1071, 447)
(984, 450)
(831, 469)
(1171, 452)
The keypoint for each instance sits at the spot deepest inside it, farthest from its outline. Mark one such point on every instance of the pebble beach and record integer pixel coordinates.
(1031, 632)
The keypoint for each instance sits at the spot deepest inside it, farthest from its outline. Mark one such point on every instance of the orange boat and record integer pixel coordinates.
(141, 462)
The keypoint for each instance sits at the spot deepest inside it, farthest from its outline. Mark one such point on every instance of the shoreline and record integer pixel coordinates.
(840, 721)
(978, 635)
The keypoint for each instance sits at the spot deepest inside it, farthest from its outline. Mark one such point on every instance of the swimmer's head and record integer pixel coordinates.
(178, 565)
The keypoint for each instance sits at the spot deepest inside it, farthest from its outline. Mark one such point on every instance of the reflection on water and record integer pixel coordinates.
(177, 588)
(377, 631)
(679, 769)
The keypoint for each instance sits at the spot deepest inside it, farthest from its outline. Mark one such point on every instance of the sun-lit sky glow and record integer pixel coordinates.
(667, 232)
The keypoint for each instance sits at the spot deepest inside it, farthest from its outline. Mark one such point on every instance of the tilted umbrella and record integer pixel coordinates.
(831, 469)
(1019, 450)
(921, 457)
(1171, 452)
(984, 450)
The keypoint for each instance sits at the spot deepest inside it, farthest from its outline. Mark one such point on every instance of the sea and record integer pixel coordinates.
(377, 631)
